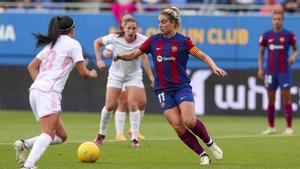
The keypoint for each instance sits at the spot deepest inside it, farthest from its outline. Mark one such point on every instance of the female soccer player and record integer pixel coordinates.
(50, 70)
(121, 73)
(170, 50)
(120, 113)
(278, 72)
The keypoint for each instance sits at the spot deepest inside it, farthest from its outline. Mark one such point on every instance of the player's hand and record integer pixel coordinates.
(101, 65)
(218, 71)
(106, 53)
(151, 81)
(291, 60)
(260, 74)
(93, 74)
(116, 57)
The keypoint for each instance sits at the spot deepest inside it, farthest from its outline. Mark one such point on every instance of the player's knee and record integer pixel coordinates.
(132, 105)
(189, 123)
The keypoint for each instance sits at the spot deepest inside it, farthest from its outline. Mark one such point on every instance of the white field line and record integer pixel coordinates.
(176, 138)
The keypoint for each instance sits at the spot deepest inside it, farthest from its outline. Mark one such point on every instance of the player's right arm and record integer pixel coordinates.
(98, 43)
(263, 44)
(33, 68)
(261, 54)
(84, 72)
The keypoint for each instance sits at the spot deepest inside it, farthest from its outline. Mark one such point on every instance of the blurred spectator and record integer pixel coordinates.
(120, 6)
(243, 2)
(153, 5)
(292, 6)
(270, 7)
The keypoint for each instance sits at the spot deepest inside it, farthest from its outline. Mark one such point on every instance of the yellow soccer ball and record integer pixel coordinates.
(88, 152)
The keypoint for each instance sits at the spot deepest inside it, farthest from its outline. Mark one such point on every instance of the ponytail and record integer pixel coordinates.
(57, 26)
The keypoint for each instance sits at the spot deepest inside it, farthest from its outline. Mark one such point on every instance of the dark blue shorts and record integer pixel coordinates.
(170, 99)
(282, 80)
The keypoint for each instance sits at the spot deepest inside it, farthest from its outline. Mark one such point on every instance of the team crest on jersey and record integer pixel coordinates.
(281, 39)
(159, 58)
(174, 48)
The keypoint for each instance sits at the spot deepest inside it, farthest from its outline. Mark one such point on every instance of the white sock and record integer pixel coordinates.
(29, 142)
(134, 124)
(38, 149)
(120, 119)
(105, 118)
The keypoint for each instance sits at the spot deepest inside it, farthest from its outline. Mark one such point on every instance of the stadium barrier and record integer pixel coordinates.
(232, 41)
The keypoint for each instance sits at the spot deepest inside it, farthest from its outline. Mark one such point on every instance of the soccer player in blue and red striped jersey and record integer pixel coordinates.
(170, 51)
(278, 72)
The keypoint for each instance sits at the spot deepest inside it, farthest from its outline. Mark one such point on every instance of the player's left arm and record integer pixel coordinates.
(33, 68)
(196, 52)
(145, 61)
(295, 54)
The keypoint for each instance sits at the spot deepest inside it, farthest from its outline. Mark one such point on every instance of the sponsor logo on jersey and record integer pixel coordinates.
(160, 58)
(275, 47)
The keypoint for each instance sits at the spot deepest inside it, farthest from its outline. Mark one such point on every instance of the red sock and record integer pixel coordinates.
(201, 131)
(271, 115)
(191, 141)
(288, 114)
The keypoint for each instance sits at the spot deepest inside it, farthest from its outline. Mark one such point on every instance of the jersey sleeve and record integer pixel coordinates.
(108, 39)
(263, 40)
(109, 47)
(293, 39)
(77, 54)
(41, 54)
(189, 44)
(146, 46)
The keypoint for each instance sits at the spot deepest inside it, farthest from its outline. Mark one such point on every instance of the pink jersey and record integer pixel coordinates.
(56, 64)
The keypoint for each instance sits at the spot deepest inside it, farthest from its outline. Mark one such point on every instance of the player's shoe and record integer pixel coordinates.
(140, 136)
(34, 167)
(99, 139)
(288, 131)
(21, 151)
(120, 137)
(217, 152)
(135, 143)
(204, 159)
(269, 131)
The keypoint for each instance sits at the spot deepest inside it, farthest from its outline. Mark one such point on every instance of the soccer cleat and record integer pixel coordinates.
(204, 159)
(99, 139)
(269, 131)
(21, 151)
(28, 167)
(135, 143)
(288, 131)
(217, 152)
(140, 136)
(120, 137)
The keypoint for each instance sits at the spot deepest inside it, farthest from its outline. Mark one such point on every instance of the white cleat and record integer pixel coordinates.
(288, 131)
(204, 159)
(269, 131)
(21, 151)
(217, 152)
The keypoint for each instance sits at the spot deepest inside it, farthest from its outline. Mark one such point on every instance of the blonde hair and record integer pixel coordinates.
(173, 14)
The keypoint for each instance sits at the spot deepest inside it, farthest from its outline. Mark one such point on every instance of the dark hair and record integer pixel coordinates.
(122, 32)
(121, 21)
(58, 25)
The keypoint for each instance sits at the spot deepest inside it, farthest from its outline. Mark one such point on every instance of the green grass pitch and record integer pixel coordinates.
(238, 136)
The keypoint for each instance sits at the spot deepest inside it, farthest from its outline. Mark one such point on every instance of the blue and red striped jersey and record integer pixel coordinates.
(277, 44)
(170, 57)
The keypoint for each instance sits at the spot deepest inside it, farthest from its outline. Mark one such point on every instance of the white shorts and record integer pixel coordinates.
(44, 104)
(140, 85)
(120, 83)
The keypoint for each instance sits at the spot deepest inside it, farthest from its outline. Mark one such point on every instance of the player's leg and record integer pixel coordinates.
(48, 125)
(271, 82)
(134, 114)
(285, 85)
(184, 98)
(174, 118)
(120, 116)
(112, 94)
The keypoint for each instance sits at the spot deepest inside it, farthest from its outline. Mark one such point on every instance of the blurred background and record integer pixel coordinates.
(227, 30)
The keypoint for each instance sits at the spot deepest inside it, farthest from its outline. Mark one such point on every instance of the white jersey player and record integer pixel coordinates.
(50, 70)
(121, 73)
